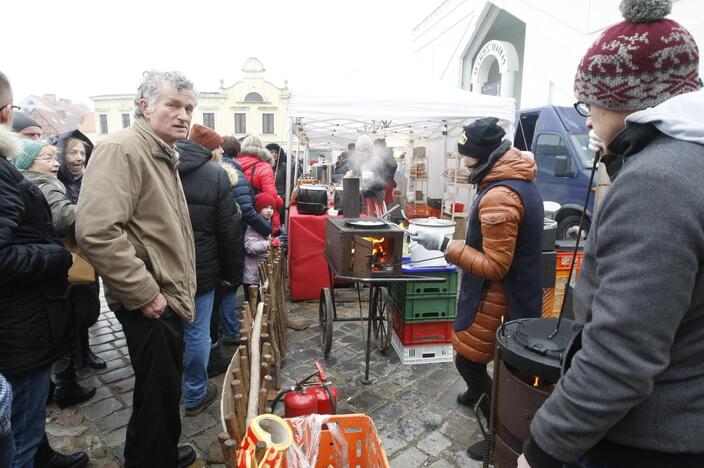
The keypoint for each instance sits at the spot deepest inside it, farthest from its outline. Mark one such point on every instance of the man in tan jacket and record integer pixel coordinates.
(133, 224)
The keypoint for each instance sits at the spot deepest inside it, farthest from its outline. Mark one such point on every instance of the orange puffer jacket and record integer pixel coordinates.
(500, 214)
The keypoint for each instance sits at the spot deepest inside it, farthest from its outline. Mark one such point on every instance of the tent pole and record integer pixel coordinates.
(295, 167)
(444, 161)
(288, 164)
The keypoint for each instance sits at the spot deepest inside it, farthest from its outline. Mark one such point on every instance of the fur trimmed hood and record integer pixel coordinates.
(259, 153)
(231, 173)
(9, 143)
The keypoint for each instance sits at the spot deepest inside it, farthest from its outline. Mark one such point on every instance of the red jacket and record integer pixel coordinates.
(257, 168)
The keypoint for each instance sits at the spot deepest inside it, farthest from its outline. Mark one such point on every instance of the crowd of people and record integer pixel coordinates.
(173, 218)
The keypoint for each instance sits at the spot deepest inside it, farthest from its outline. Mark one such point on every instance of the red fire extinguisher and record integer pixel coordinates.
(314, 394)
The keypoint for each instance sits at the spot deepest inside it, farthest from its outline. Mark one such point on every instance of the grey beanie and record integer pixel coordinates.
(20, 121)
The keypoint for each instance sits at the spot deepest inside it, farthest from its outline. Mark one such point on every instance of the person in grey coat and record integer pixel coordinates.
(633, 393)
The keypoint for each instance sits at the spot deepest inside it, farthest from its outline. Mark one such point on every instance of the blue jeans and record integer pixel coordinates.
(196, 337)
(29, 395)
(7, 448)
(228, 313)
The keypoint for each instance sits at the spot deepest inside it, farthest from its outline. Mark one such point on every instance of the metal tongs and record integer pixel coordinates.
(396, 207)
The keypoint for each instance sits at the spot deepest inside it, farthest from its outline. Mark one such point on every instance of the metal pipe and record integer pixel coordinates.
(576, 246)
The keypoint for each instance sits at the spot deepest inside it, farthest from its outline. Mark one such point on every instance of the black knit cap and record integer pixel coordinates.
(480, 138)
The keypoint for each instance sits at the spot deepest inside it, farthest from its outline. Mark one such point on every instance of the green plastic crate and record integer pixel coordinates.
(448, 285)
(425, 308)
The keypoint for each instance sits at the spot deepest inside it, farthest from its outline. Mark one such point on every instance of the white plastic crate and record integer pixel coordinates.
(422, 354)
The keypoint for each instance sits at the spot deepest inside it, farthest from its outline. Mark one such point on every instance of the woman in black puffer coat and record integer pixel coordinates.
(35, 320)
(217, 232)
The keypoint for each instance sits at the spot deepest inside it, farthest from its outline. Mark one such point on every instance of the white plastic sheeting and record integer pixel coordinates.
(400, 113)
(406, 114)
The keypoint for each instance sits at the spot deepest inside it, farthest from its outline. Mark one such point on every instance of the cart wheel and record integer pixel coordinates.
(325, 315)
(382, 318)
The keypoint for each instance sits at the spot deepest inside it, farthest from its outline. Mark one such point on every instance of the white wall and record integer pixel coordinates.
(558, 33)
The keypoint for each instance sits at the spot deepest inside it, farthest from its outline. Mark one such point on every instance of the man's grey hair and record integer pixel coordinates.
(5, 90)
(150, 87)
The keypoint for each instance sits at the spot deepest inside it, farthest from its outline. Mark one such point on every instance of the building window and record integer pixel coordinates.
(253, 97)
(240, 123)
(267, 123)
(125, 120)
(103, 123)
(209, 119)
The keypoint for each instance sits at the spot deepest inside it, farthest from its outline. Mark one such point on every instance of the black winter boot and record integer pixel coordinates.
(68, 392)
(89, 357)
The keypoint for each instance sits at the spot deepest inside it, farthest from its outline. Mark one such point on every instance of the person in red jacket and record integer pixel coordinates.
(256, 162)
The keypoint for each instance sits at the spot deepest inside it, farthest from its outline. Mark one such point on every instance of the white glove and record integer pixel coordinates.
(596, 144)
(429, 240)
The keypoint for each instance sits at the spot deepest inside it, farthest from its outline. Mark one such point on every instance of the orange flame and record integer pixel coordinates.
(379, 251)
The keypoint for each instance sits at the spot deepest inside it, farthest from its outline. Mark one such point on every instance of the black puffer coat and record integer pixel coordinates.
(73, 185)
(215, 217)
(35, 321)
(244, 195)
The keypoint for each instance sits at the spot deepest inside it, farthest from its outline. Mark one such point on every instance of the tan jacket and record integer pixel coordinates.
(133, 222)
(500, 214)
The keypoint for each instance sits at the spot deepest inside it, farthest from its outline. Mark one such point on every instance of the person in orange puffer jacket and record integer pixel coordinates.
(500, 258)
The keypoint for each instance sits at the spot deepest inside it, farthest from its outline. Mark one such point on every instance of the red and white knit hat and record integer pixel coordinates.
(640, 62)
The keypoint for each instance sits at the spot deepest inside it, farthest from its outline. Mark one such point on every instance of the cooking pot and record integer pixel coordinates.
(422, 257)
(312, 199)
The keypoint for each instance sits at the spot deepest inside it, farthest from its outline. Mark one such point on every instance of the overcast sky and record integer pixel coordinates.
(76, 49)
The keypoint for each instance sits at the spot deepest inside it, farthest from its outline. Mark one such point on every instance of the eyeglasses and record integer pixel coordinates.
(12, 106)
(583, 109)
(47, 159)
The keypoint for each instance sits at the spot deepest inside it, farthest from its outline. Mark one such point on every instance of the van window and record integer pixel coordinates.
(525, 130)
(547, 148)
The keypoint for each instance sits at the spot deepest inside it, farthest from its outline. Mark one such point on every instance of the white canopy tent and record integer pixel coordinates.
(406, 115)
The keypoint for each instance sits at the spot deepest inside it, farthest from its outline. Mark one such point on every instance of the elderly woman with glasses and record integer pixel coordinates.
(38, 162)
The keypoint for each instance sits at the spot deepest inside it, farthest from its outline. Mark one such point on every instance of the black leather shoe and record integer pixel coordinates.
(93, 361)
(466, 399)
(71, 393)
(46, 457)
(186, 456)
(72, 460)
(476, 451)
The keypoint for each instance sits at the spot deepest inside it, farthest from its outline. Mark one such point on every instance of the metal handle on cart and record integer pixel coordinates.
(478, 413)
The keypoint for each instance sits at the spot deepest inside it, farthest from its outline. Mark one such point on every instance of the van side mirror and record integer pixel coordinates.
(563, 166)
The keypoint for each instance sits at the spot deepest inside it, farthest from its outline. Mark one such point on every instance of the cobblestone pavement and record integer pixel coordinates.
(413, 407)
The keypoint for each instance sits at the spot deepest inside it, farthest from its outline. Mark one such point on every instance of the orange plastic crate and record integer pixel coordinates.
(564, 261)
(363, 444)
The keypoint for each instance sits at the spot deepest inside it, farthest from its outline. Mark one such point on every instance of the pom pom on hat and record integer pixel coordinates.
(645, 11)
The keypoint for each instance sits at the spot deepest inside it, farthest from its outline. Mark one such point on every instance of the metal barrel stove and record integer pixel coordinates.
(527, 365)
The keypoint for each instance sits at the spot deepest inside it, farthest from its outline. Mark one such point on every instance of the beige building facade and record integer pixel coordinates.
(251, 105)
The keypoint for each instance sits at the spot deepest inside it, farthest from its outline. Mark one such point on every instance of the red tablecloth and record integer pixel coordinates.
(307, 269)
